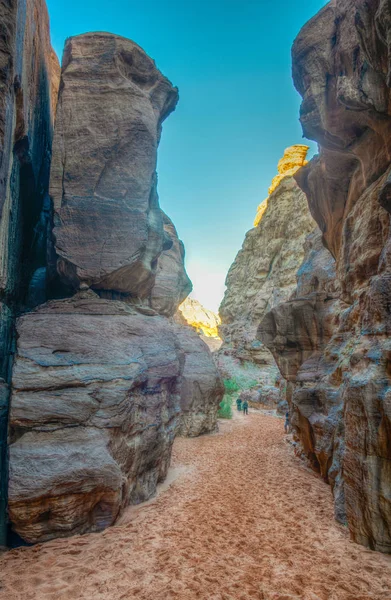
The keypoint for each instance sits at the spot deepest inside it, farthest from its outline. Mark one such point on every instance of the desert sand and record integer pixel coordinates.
(240, 517)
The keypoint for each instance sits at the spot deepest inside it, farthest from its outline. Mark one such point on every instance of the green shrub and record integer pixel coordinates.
(231, 386)
(225, 410)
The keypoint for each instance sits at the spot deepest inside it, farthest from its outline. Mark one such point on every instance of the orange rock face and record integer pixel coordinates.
(333, 340)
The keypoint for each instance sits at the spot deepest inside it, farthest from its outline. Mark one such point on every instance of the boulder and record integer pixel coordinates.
(94, 409)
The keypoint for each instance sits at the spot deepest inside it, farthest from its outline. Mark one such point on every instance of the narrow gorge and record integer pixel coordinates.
(128, 468)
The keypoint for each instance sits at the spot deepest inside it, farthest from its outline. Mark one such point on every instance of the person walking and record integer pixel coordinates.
(245, 407)
(239, 404)
(287, 425)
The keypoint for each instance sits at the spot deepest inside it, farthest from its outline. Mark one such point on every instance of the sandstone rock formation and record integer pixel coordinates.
(262, 276)
(93, 414)
(202, 389)
(108, 227)
(102, 379)
(29, 77)
(172, 285)
(205, 321)
(333, 343)
(294, 158)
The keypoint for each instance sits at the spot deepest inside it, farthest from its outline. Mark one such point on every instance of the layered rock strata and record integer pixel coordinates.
(101, 374)
(29, 78)
(262, 276)
(96, 389)
(334, 345)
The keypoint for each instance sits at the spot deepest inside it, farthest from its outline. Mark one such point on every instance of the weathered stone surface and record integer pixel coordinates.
(294, 158)
(340, 391)
(202, 388)
(262, 276)
(205, 321)
(29, 73)
(108, 225)
(100, 379)
(172, 285)
(95, 401)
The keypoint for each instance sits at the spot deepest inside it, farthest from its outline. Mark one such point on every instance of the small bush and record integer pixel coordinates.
(225, 410)
(231, 386)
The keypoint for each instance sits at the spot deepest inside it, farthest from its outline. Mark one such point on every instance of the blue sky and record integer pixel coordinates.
(237, 111)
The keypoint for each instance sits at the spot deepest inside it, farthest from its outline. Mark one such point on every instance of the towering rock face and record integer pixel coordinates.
(108, 226)
(29, 77)
(100, 378)
(340, 365)
(262, 276)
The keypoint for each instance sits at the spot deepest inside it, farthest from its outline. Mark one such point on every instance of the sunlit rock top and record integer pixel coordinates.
(294, 158)
(202, 319)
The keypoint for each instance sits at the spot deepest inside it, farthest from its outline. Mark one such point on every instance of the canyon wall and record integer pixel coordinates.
(29, 79)
(263, 275)
(103, 378)
(332, 340)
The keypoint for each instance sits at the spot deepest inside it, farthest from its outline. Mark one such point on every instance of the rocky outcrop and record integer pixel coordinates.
(102, 379)
(108, 227)
(334, 344)
(96, 388)
(29, 76)
(262, 276)
(172, 285)
(205, 321)
(202, 389)
(294, 158)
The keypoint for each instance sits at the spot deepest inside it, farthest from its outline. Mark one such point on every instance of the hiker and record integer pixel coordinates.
(245, 407)
(239, 404)
(287, 423)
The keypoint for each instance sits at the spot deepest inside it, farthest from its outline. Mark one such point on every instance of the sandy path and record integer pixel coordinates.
(244, 520)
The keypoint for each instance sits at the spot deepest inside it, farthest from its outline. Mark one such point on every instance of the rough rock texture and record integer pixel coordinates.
(108, 227)
(172, 285)
(294, 158)
(337, 350)
(93, 414)
(202, 388)
(262, 276)
(29, 76)
(100, 378)
(205, 321)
